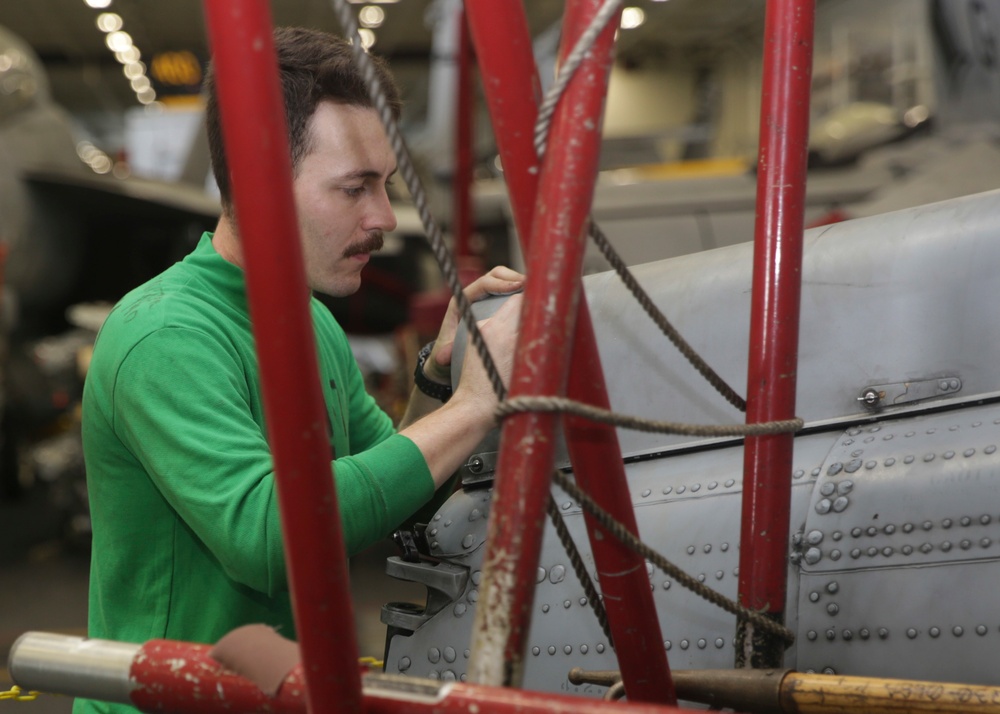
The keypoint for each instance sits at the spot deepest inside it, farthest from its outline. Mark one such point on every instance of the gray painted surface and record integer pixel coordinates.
(895, 529)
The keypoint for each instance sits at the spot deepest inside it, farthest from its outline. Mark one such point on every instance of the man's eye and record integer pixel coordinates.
(354, 192)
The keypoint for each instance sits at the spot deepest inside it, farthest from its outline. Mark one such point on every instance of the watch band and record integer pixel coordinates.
(426, 385)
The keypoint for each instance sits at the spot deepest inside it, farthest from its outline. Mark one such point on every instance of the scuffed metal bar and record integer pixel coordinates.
(167, 676)
(255, 134)
(774, 321)
(464, 142)
(512, 92)
(548, 320)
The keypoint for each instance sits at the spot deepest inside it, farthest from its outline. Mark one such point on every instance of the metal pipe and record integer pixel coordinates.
(247, 84)
(464, 141)
(512, 92)
(168, 676)
(93, 669)
(547, 328)
(774, 320)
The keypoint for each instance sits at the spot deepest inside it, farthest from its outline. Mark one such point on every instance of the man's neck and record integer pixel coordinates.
(226, 241)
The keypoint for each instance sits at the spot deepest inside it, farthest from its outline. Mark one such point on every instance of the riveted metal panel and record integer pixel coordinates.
(901, 551)
(687, 507)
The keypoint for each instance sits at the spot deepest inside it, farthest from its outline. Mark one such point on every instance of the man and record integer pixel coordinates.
(187, 541)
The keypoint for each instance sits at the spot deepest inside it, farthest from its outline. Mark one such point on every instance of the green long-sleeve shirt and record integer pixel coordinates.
(187, 540)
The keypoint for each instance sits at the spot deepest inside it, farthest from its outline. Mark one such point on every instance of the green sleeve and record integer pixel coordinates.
(183, 407)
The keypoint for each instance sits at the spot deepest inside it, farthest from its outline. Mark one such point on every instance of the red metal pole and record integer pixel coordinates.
(774, 320)
(181, 677)
(551, 307)
(256, 141)
(512, 92)
(464, 148)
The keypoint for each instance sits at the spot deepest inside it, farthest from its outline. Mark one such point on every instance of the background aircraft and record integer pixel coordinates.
(74, 231)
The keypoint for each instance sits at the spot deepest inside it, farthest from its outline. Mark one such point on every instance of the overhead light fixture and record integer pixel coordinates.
(118, 41)
(140, 84)
(632, 17)
(371, 16)
(134, 69)
(109, 22)
(373, 2)
(367, 37)
(98, 4)
(128, 56)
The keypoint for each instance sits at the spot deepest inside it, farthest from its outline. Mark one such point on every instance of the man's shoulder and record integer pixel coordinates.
(174, 299)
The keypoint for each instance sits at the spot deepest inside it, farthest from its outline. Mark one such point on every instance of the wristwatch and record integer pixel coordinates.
(426, 385)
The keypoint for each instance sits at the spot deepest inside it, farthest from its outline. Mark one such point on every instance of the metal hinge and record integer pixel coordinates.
(879, 396)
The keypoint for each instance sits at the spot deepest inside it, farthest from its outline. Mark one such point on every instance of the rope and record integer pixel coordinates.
(416, 188)
(518, 405)
(696, 360)
(573, 61)
(542, 126)
(630, 541)
(442, 255)
(576, 560)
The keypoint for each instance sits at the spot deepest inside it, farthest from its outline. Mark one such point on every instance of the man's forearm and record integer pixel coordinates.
(448, 434)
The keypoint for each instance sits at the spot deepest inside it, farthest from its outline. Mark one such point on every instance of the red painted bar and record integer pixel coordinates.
(551, 306)
(257, 146)
(464, 143)
(180, 677)
(513, 94)
(774, 319)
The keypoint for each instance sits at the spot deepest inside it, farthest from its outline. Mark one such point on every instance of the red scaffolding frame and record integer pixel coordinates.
(551, 207)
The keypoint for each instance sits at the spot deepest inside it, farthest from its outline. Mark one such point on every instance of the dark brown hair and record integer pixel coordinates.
(313, 66)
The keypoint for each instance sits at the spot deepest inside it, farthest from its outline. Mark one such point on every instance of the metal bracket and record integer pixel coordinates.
(479, 468)
(879, 396)
(445, 583)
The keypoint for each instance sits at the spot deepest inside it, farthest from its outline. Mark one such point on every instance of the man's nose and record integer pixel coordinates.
(381, 215)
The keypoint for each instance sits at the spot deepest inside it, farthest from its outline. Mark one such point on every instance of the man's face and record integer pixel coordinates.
(341, 197)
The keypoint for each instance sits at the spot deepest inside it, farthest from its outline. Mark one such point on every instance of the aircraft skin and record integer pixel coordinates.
(75, 235)
(894, 544)
(894, 549)
(70, 236)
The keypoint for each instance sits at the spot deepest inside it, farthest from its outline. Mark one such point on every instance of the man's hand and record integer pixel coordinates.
(499, 281)
(500, 334)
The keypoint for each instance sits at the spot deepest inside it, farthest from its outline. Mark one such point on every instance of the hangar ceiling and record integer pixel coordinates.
(85, 76)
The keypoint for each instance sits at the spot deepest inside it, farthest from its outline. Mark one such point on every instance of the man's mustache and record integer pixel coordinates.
(371, 244)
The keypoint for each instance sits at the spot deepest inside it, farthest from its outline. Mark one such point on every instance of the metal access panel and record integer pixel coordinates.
(901, 551)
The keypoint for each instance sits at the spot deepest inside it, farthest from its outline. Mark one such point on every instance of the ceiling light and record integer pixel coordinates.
(98, 3)
(109, 22)
(134, 69)
(118, 41)
(373, 2)
(140, 84)
(632, 17)
(371, 16)
(130, 55)
(367, 37)
(146, 96)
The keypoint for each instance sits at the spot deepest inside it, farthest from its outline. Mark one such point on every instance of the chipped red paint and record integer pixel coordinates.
(774, 319)
(464, 143)
(512, 92)
(253, 123)
(181, 678)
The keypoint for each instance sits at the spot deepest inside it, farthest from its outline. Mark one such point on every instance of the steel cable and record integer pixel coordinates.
(443, 256)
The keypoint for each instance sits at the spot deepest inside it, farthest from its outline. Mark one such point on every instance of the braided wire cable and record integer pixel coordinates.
(518, 405)
(573, 61)
(624, 536)
(409, 173)
(442, 255)
(576, 560)
(542, 125)
(640, 294)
